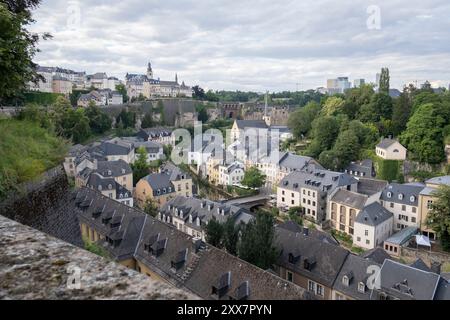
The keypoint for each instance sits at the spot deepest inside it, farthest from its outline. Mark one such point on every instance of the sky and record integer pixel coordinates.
(248, 45)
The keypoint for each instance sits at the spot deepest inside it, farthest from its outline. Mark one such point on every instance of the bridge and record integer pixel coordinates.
(249, 203)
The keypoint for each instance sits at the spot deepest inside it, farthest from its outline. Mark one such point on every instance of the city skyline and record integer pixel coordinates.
(251, 45)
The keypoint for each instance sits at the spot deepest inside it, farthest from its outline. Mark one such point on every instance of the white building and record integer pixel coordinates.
(403, 201)
(231, 174)
(373, 225)
(389, 149)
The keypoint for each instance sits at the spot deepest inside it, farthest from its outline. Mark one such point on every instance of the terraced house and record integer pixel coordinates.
(311, 189)
(162, 252)
(191, 215)
(163, 186)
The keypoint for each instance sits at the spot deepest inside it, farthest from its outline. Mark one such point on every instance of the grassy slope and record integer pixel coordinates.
(26, 151)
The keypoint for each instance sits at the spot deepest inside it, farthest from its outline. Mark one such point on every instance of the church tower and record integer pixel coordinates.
(176, 78)
(149, 71)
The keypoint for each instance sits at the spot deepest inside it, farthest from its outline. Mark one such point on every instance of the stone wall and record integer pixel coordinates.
(44, 204)
(426, 256)
(34, 265)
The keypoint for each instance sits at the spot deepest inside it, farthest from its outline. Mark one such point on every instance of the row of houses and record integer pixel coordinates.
(311, 264)
(101, 97)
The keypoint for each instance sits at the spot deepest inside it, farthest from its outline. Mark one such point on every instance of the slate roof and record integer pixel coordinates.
(402, 193)
(377, 255)
(97, 182)
(295, 162)
(386, 143)
(244, 124)
(365, 167)
(327, 259)
(355, 269)
(160, 182)
(407, 283)
(443, 290)
(440, 180)
(157, 245)
(402, 236)
(113, 168)
(99, 214)
(350, 199)
(154, 133)
(116, 147)
(319, 235)
(321, 180)
(373, 215)
(210, 210)
(370, 187)
(420, 264)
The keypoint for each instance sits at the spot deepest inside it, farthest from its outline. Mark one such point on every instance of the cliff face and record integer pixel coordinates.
(34, 265)
(45, 205)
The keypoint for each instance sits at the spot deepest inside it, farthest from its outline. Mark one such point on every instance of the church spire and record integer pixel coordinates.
(149, 71)
(176, 78)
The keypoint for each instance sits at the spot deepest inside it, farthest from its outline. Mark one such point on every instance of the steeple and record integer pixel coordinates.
(176, 78)
(149, 71)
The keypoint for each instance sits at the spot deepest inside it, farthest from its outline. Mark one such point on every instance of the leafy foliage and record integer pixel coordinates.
(140, 166)
(253, 178)
(439, 217)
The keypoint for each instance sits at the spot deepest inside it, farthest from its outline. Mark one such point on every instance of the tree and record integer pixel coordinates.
(140, 166)
(401, 112)
(18, 47)
(99, 121)
(202, 113)
(300, 120)
(231, 236)
(257, 244)
(253, 178)
(324, 131)
(384, 85)
(123, 91)
(333, 105)
(75, 125)
(423, 136)
(439, 217)
(151, 208)
(198, 93)
(345, 150)
(147, 121)
(211, 96)
(214, 233)
(127, 118)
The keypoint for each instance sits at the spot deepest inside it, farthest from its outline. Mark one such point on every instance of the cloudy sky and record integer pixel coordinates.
(250, 44)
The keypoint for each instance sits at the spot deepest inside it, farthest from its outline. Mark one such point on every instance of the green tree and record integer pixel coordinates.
(18, 47)
(140, 166)
(123, 91)
(439, 217)
(198, 93)
(99, 121)
(127, 118)
(423, 136)
(333, 105)
(147, 121)
(214, 233)
(202, 113)
(324, 132)
(231, 236)
(151, 208)
(211, 96)
(345, 150)
(257, 244)
(253, 178)
(384, 84)
(401, 112)
(300, 120)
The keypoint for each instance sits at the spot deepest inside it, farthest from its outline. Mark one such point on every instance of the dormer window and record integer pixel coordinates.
(362, 287)
(99, 188)
(123, 171)
(109, 186)
(109, 172)
(346, 281)
(412, 198)
(400, 196)
(389, 194)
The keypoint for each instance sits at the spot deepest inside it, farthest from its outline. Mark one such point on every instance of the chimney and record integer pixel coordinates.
(436, 267)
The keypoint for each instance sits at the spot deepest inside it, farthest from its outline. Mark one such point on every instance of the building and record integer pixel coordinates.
(403, 201)
(162, 252)
(118, 149)
(393, 245)
(363, 169)
(161, 135)
(338, 85)
(373, 225)
(345, 206)
(397, 281)
(311, 190)
(163, 186)
(61, 85)
(232, 174)
(351, 282)
(110, 188)
(358, 83)
(309, 262)
(155, 151)
(92, 97)
(191, 215)
(426, 198)
(389, 149)
(149, 87)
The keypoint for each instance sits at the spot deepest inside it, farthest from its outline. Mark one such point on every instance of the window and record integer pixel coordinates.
(361, 287)
(358, 239)
(311, 286)
(366, 233)
(414, 209)
(403, 208)
(292, 202)
(283, 192)
(413, 220)
(290, 277)
(429, 204)
(367, 241)
(282, 199)
(391, 204)
(345, 281)
(319, 290)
